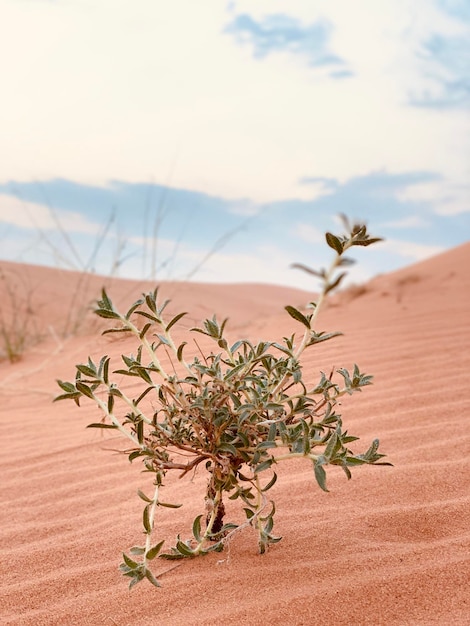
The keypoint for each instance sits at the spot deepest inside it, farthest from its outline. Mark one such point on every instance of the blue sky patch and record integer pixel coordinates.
(282, 33)
(446, 63)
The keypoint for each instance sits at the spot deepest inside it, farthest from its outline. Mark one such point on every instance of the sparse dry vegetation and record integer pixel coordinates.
(19, 326)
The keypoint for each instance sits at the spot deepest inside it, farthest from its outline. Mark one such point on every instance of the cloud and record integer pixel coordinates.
(442, 54)
(441, 196)
(33, 216)
(411, 250)
(413, 221)
(445, 62)
(282, 33)
(308, 233)
(457, 8)
(244, 207)
(329, 184)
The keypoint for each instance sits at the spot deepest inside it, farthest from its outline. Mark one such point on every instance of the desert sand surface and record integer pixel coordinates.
(389, 547)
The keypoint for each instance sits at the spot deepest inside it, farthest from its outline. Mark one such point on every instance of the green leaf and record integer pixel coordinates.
(179, 353)
(137, 577)
(140, 431)
(144, 330)
(282, 349)
(153, 552)
(172, 556)
(335, 283)
(143, 497)
(143, 373)
(270, 484)
(125, 373)
(116, 330)
(199, 330)
(151, 578)
(174, 320)
(263, 466)
(87, 371)
(146, 520)
(272, 432)
(334, 243)
(107, 314)
(129, 562)
(84, 389)
(366, 242)
(266, 445)
(371, 452)
(249, 513)
(184, 549)
(332, 447)
(133, 308)
(163, 340)
(150, 317)
(227, 447)
(115, 391)
(102, 425)
(197, 528)
(212, 328)
(137, 550)
(143, 394)
(105, 300)
(305, 268)
(234, 371)
(297, 315)
(225, 529)
(68, 387)
(163, 307)
(169, 505)
(354, 460)
(105, 362)
(69, 396)
(320, 475)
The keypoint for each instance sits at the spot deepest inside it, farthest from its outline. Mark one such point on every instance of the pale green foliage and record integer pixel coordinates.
(237, 412)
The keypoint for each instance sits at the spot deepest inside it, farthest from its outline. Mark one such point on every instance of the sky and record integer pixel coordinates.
(217, 141)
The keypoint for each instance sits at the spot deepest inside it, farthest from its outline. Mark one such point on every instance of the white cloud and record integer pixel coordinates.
(32, 216)
(413, 221)
(446, 198)
(265, 264)
(411, 250)
(244, 207)
(308, 233)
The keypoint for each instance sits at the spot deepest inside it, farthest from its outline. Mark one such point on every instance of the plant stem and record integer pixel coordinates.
(216, 501)
(148, 538)
(103, 406)
(321, 300)
(293, 455)
(259, 505)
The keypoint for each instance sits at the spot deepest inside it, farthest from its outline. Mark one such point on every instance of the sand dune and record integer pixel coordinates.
(390, 547)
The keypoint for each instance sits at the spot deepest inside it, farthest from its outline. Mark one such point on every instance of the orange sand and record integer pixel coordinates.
(390, 547)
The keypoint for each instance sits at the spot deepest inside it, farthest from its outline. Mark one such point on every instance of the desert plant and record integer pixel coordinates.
(18, 324)
(237, 412)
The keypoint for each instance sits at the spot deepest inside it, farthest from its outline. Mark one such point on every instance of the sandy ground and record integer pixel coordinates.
(391, 546)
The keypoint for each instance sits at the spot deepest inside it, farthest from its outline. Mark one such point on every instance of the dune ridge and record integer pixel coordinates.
(390, 547)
